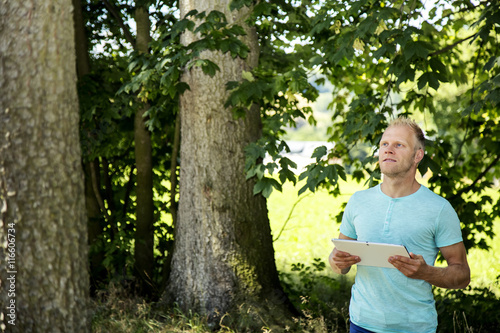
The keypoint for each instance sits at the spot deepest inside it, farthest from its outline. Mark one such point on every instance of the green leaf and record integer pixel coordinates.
(381, 51)
(428, 164)
(415, 49)
(319, 152)
(265, 186)
(341, 172)
(428, 78)
(331, 173)
(491, 63)
(494, 97)
(407, 74)
(209, 68)
(286, 174)
(421, 50)
(437, 65)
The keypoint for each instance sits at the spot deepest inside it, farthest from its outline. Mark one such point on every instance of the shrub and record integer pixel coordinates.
(323, 300)
(468, 310)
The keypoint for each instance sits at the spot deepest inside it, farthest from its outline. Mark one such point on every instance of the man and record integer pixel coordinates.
(401, 211)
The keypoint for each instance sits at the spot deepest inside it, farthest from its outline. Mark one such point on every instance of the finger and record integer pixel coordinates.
(342, 253)
(343, 265)
(409, 267)
(347, 261)
(416, 256)
(400, 259)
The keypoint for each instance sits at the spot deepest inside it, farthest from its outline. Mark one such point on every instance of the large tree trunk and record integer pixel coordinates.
(43, 254)
(144, 234)
(223, 256)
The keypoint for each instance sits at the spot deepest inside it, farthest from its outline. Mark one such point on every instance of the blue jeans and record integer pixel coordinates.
(356, 329)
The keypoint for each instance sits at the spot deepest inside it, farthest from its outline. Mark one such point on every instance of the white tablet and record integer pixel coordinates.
(371, 254)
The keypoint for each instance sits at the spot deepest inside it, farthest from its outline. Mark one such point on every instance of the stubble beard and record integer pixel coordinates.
(398, 172)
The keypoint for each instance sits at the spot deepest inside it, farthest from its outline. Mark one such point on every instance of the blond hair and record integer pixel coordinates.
(419, 134)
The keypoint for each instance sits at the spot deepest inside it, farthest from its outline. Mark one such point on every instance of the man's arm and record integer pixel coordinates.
(455, 276)
(340, 261)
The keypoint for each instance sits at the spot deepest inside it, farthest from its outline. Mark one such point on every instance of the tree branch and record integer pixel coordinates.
(290, 215)
(116, 14)
(449, 47)
(478, 178)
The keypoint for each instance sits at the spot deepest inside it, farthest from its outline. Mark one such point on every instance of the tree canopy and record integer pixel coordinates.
(438, 64)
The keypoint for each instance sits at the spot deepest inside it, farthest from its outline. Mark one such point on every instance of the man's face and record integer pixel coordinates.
(397, 155)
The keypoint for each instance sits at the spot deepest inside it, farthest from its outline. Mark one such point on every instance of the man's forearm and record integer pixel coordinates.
(455, 276)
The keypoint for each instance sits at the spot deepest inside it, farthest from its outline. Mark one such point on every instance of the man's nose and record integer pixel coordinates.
(389, 150)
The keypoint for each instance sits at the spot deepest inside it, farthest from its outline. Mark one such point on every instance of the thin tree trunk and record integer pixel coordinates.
(94, 214)
(81, 45)
(43, 235)
(173, 201)
(173, 169)
(144, 234)
(223, 258)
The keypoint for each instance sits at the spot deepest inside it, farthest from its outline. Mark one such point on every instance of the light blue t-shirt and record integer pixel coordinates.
(384, 299)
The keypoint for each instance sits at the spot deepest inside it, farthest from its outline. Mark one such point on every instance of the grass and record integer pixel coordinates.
(116, 312)
(308, 229)
(302, 229)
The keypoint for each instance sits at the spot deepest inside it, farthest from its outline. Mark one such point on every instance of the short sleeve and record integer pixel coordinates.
(448, 230)
(347, 226)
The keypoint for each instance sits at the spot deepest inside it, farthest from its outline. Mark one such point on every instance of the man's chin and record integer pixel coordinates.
(390, 173)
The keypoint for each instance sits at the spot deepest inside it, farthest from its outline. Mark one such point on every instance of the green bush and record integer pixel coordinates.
(472, 309)
(323, 300)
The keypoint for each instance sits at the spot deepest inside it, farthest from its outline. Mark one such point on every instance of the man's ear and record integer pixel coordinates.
(419, 155)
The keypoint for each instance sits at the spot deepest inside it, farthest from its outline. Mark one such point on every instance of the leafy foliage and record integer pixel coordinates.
(318, 295)
(275, 86)
(385, 59)
(470, 310)
(401, 63)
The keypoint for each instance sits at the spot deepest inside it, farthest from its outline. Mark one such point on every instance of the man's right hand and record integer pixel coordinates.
(341, 262)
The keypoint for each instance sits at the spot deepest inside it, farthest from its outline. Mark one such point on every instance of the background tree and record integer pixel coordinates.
(83, 69)
(223, 256)
(43, 219)
(144, 228)
(117, 88)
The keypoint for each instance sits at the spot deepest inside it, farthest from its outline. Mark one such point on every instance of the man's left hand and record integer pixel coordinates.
(414, 267)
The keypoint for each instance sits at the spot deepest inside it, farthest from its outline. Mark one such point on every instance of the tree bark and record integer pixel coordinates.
(167, 264)
(173, 169)
(43, 235)
(223, 256)
(94, 214)
(144, 234)
(81, 44)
